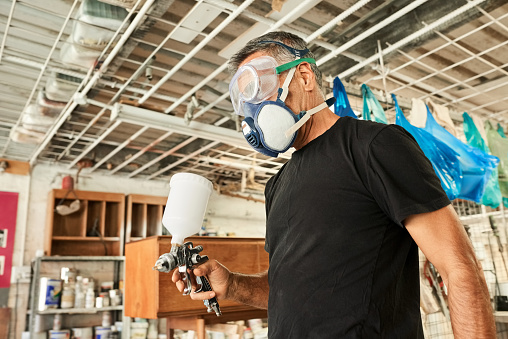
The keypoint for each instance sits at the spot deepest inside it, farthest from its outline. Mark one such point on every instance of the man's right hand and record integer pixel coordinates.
(220, 279)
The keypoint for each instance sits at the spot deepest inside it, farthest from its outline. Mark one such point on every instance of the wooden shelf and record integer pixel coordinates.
(143, 216)
(79, 310)
(86, 238)
(79, 233)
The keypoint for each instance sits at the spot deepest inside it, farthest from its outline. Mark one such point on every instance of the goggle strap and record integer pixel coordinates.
(304, 119)
(286, 83)
(296, 52)
(293, 63)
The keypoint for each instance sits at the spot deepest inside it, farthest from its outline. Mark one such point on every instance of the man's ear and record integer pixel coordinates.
(307, 76)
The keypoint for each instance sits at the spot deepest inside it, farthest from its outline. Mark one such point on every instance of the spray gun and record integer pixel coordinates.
(183, 217)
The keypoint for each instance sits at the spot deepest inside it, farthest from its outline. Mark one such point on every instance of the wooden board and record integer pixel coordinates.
(17, 167)
(151, 294)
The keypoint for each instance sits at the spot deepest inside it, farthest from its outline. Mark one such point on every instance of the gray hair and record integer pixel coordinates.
(279, 53)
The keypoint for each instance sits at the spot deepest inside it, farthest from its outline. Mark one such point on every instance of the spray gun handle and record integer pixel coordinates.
(212, 305)
(184, 275)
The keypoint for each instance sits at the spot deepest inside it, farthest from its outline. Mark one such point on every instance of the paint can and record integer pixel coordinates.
(102, 332)
(50, 292)
(61, 334)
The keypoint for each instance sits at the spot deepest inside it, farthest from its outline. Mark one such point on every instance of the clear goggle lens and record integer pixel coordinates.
(254, 82)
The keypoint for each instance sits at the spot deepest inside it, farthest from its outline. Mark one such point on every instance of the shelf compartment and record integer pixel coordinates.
(95, 218)
(113, 219)
(71, 224)
(153, 220)
(92, 247)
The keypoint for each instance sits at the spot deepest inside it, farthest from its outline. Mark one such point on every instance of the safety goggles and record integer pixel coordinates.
(258, 80)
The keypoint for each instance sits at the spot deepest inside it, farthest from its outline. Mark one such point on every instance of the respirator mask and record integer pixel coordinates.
(270, 127)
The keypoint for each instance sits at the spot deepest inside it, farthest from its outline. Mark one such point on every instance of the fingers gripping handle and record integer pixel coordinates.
(212, 304)
(186, 257)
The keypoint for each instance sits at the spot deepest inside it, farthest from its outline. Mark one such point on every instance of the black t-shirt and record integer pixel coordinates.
(342, 265)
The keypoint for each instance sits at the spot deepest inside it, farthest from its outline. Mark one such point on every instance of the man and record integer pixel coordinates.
(345, 215)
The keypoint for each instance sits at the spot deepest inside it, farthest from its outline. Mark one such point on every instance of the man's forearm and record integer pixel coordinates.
(469, 299)
(250, 289)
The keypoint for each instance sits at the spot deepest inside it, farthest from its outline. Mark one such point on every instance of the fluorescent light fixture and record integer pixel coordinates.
(199, 17)
(145, 117)
(237, 164)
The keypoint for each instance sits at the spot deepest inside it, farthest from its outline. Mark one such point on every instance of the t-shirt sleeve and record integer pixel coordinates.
(400, 177)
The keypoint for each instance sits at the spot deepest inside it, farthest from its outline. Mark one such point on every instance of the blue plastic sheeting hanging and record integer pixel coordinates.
(492, 194)
(341, 107)
(499, 147)
(444, 159)
(372, 105)
(475, 164)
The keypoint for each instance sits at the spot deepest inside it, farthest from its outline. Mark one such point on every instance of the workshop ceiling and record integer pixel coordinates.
(156, 102)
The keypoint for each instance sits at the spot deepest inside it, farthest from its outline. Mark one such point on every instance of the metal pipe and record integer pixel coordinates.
(68, 110)
(413, 36)
(7, 25)
(196, 49)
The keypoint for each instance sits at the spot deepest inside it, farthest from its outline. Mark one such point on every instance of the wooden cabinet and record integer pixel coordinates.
(151, 294)
(143, 216)
(97, 228)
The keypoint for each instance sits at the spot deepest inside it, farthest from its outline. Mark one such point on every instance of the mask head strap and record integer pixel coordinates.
(298, 53)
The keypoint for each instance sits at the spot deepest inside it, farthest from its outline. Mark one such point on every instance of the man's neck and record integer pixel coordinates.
(318, 124)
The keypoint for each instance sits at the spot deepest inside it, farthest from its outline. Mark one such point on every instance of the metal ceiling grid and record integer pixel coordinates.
(465, 69)
(456, 57)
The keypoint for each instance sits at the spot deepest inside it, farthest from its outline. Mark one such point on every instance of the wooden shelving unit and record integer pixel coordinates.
(97, 228)
(143, 216)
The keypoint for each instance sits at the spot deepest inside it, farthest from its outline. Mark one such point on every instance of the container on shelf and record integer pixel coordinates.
(139, 330)
(106, 319)
(82, 333)
(90, 298)
(50, 292)
(102, 332)
(57, 322)
(61, 334)
(68, 275)
(68, 297)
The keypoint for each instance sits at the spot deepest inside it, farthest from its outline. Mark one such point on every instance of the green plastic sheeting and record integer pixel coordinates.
(492, 194)
(372, 109)
(499, 147)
